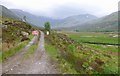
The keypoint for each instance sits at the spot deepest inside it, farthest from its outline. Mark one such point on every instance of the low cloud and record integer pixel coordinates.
(63, 8)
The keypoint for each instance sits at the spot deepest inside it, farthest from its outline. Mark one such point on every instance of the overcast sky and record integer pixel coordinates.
(63, 8)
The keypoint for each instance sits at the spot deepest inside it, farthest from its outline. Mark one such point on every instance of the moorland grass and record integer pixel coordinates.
(64, 66)
(81, 58)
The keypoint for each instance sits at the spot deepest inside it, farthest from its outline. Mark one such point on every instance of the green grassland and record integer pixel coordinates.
(98, 37)
(82, 58)
(104, 48)
(92, 37)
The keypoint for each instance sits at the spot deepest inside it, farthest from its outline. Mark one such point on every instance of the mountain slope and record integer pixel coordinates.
(84, 22)
(107, 23)
(33, 19)
(29, 17)
(12, 28)
(55, 23)
(7, 13)
(76, 20)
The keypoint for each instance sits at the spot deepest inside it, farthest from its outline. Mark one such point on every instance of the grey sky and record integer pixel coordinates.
(63, 8)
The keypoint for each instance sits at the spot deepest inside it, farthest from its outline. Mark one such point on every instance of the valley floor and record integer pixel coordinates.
(71, 57)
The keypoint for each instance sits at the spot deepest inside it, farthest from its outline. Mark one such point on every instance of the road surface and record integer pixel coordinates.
(37, 63)
(15, 60)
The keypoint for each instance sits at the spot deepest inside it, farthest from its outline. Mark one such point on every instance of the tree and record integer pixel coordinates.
(24, 18)
(47, 26)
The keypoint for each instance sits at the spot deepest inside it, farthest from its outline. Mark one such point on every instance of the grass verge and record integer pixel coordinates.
(12, 51)
(0, 57)
(31, 51)
(51, 50)
(6, 54)
(62, 64)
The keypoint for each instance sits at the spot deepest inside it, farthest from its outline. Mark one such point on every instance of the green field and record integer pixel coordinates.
(82, 37)
(92, 37)
(103, 47)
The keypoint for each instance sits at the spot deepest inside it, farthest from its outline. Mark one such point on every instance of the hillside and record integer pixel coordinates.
(33, 19)
(7, 13)
(55, 23)
(76, 20)
(11, 31)
(107, 23)
(83, 22)
(12, 28)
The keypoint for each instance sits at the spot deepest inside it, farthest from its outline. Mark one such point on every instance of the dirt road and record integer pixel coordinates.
(37, 63)
(16, 60)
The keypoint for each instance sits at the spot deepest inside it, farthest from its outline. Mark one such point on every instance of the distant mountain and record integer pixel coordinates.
(7, 13)
(33, 19)
(107, 23)
(76, 20)
(30, 18)
(55, 23)
(83, 22)
(40, 20)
